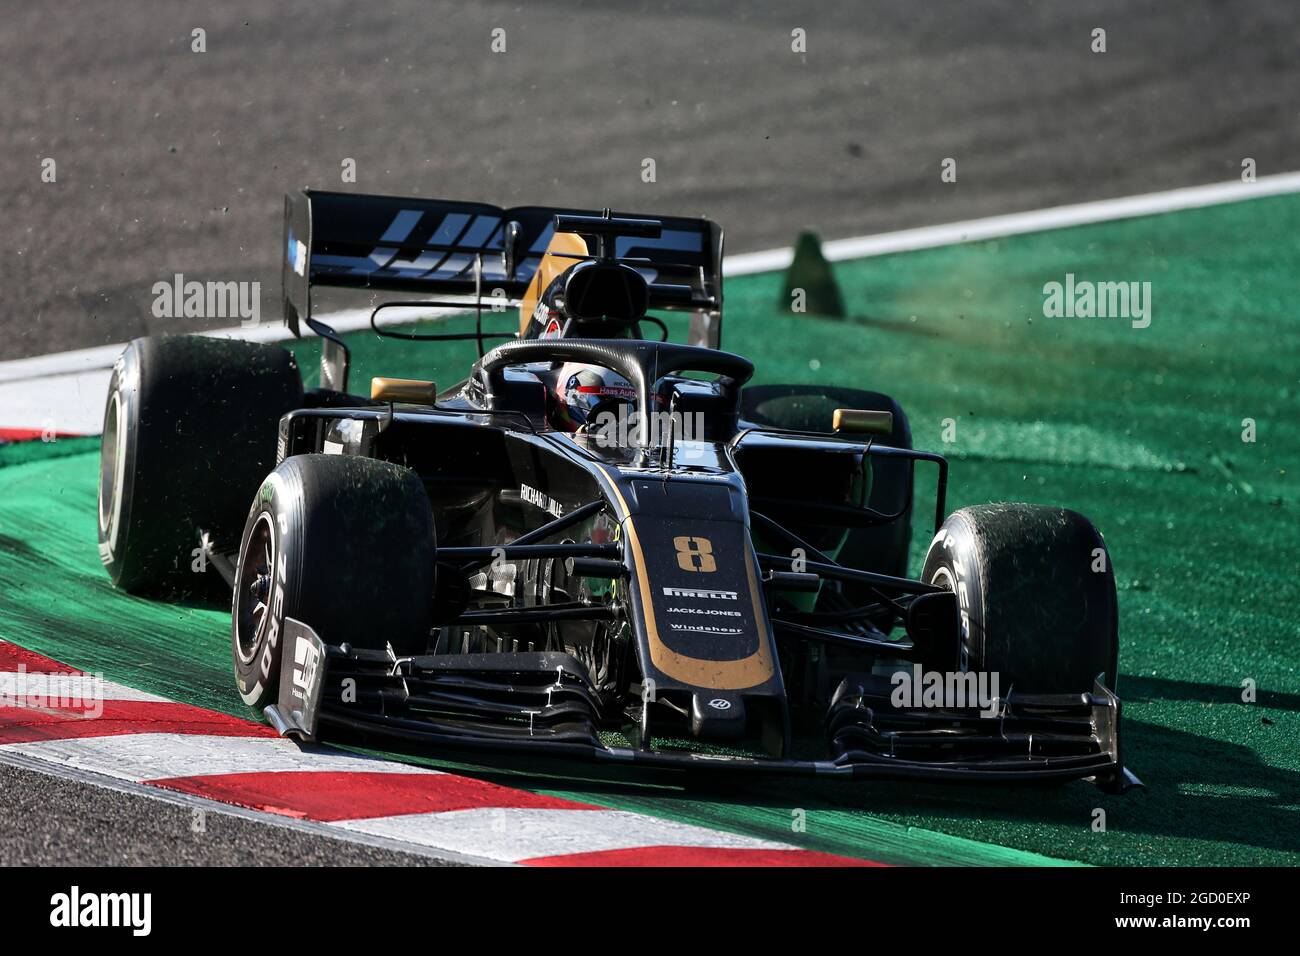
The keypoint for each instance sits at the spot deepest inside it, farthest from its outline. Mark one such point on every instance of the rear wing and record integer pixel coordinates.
(477, 251)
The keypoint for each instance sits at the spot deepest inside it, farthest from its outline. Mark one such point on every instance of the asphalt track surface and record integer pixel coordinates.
(170, 161)
(99, 826)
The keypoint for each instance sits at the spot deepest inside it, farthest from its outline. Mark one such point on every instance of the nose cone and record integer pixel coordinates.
(717, 716)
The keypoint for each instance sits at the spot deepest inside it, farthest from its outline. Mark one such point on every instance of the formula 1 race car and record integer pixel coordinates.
(601, 544)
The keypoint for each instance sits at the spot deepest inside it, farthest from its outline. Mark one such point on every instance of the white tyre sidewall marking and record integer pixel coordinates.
(943, 578)
(953, 579)
(122, 401)
(263, 517)
(264, 651)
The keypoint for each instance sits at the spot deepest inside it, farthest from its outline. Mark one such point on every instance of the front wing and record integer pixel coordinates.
(542, 703)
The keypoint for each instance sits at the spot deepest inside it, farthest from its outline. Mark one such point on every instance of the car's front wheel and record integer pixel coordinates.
(1036, 592)
(343, 544)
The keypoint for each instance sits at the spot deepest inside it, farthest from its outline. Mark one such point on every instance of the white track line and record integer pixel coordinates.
(103, 356)
(536, 833)
(314, 828)
(148, 756)
(1019, 223)
(65, 391)
(69, 687)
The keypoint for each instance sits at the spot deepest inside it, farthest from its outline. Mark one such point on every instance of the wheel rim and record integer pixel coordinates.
(253, 588)
(109, 453)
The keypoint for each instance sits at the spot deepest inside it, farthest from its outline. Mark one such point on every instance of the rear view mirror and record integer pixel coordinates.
(510, 248)
(862, 421)
(409, 390)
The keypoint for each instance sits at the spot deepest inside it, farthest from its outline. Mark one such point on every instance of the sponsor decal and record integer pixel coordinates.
(539, 500)
(695, 554)
(720, 703)
(956, 581)
(598, 387)
(296, 254)
(704, 594)
(306, 658)
(540, 312)
(704, 628)
(679, 475)
(704, 610)
(277, 612)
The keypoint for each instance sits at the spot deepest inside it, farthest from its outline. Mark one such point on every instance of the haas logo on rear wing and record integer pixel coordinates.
(451, 247)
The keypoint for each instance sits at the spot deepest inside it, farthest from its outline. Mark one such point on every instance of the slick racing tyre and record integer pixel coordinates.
(190, 428)
(1037, 596)
(882, 549)
(341, 543)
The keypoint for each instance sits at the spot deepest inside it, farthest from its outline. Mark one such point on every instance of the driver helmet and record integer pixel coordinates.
(579, 391)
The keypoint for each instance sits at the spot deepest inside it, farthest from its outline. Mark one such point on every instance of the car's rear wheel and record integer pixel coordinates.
(190, 428)
(1037, 596)
(343, 544)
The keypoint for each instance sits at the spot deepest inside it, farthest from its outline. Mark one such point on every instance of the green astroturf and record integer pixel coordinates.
(1140, 429)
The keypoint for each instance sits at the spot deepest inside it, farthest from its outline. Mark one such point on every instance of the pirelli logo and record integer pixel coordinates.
(702, 593)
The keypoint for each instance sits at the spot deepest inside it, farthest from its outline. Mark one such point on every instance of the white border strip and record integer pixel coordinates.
(537, 833)
(144, 755)
(856, 247)
(189, 801)
(103, 356)
(1019, 223)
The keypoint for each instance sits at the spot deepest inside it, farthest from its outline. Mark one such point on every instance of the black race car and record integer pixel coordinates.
(601, 544)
